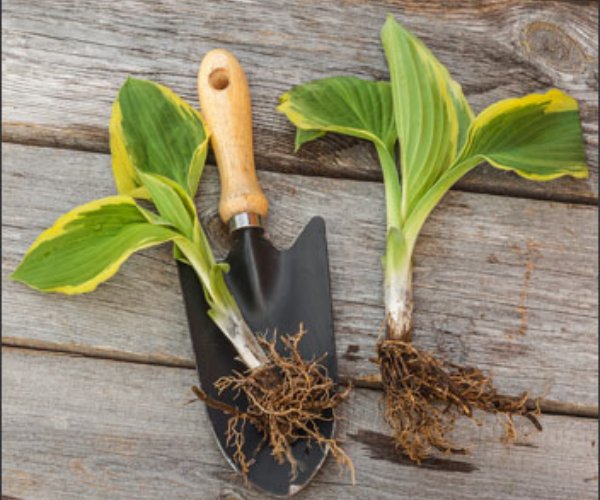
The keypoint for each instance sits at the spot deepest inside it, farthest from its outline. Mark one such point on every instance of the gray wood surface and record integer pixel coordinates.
(504, 283)
(94, 387)
(86, 428)
(63, 62)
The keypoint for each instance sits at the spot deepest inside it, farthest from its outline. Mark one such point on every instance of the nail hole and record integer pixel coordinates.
(218, 79)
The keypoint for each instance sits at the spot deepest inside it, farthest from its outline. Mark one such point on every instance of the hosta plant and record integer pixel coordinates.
(422, 112)
(158, 144)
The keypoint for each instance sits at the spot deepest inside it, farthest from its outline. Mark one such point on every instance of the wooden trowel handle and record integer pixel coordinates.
(225, 103)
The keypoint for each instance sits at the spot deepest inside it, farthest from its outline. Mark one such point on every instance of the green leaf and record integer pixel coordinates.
(345, 105)
(155, 219)
(349, 106)
(304, 136)
(153, 130)
(431, 113)
(177, 208)
(86, 246)
(173, 203)
(537, 136)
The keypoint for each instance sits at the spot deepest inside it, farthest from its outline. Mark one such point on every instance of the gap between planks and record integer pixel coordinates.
(450, 312)
(549, 407)
(112, 446)
(95, 140)
(64, 67)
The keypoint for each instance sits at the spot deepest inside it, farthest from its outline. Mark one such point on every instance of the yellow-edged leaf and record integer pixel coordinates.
(86, 246)
(431, 113)
(349, 106)
(173, 203)
(177, 208)
(344, 105)
(537, 136)
(153, 130)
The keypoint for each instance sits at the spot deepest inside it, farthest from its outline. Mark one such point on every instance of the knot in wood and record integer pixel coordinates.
(550, 45)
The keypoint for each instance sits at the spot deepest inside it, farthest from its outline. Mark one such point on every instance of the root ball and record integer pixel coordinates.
(425, 395)
(287, 399)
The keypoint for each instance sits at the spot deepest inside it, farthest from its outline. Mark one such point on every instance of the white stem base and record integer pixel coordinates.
(243, 340)
(399, 306)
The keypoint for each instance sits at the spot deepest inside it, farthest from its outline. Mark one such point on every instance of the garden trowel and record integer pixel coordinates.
(277, 291)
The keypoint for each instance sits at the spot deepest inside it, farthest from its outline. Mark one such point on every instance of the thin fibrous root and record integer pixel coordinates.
(287, 400)
(425, 395)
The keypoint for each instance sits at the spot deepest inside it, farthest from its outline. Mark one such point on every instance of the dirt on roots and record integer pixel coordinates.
(424, 396)
(287, 399)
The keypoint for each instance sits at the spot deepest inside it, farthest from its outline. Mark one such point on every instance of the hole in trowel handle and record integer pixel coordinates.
(219, 79)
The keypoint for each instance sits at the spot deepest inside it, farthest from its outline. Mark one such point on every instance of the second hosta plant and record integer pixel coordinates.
(423, 112)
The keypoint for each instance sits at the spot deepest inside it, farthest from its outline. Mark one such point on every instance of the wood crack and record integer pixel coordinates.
(369, 382)
(92, 139)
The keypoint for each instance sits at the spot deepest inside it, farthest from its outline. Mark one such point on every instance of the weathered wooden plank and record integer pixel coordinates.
(64, 61)
(88, 428)
(504, 283)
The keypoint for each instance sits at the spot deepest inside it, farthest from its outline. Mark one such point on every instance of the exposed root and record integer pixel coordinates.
(287, 400)
(425, 395)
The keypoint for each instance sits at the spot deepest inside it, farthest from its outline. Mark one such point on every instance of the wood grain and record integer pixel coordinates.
(226, 107)
(95, 429)
(503, 283)
(64, 61)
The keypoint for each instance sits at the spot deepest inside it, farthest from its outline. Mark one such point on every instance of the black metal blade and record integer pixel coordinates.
(276, 290)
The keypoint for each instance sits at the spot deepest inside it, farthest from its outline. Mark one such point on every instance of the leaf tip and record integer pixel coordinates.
(129, 80)
(581, 172)
(560, 101)
(18, 276)
(389, 24)
(284, 98)
(284, 102)
(389, 18)
(14, 276)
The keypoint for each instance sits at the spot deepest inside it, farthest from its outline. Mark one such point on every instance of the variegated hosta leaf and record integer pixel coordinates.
(537, 136)
(177, 208)
(155, 131)
(349, 106)
(173, 203)
(345, 105)
(304, 136)
(87, 246)
(430, 111)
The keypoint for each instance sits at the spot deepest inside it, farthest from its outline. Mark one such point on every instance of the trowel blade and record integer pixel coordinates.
(276, 292)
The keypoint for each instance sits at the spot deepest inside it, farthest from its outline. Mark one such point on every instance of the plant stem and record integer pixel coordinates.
(235, 328)
(391, 182)
(224, 310)
(398, 258)
(398, 295)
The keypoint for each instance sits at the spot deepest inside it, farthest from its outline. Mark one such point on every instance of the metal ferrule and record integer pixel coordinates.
(245, 219)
